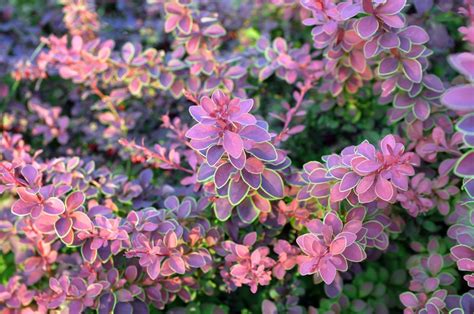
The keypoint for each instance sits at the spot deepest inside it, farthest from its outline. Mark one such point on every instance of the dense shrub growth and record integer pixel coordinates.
(274, 156)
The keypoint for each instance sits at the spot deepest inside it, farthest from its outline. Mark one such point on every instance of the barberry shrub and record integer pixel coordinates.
(207, 156)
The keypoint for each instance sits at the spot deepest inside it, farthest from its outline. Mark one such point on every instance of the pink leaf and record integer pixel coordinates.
(177, 264)
(384, 189)
(233, 144)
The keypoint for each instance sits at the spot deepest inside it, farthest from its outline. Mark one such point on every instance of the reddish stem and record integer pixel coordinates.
(291, 113)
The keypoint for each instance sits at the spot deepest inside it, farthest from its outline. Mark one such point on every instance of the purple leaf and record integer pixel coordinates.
(268, 307)
(21, 208)
(279, 44)
(123, 306)
(223, 174)
(367, 166)
(327, 272)
(106, 303)
(237, 191)
(265, 73)
(254, 165)
(412, 69)
(415, 34)
(391, 7)
(403, 101)
(30, 174)
(128, 52)
(433, 83)
(177, 264)
(358, 61)
(233, 144)
(63, 226)
(409, 299)
(171, 202)
(214, 30)
(435, 263)
(388, 66)
(389, 41)
(205, 172)
(166, 80)
(255, 133)
(247, 211)
(354, 253)
(202, 131)
(465, 165)
(371, 48)
(245, 105)
(238, 163)
(431, 284)
(349, 11)
(264, 151)
(395, 21)
(338, 246)
(53, 206)
(253, 180)
(196, 260)
(374, 229)
(75, 200)
(337, 194)
(459, 98)
(89, 254)
(272, 183)
(464, 64)
(423, 6)
(185, 24)
(223, 209)
(421, 109)
(235, 72)
(466, 124)
(332, 219)
(214, 154)
(367, 26)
